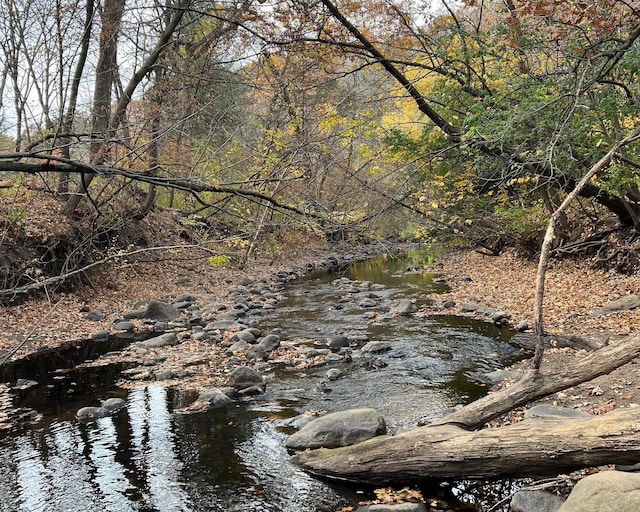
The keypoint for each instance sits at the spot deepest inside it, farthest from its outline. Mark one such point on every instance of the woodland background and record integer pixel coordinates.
(252, 126)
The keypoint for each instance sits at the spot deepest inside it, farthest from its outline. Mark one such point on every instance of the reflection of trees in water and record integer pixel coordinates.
(115, 464)
(153, 443)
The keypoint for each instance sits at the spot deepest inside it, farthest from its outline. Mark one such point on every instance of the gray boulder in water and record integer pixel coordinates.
(339, 429)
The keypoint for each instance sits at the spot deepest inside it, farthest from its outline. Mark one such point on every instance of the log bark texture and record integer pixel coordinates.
(531, 448)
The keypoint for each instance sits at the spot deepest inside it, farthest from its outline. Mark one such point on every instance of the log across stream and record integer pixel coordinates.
(457, 446)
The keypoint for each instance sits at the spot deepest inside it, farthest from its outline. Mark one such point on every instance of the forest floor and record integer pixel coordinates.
(574, 291)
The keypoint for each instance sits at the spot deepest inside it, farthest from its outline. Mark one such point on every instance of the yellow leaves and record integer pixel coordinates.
(630, 123)
(389, 495)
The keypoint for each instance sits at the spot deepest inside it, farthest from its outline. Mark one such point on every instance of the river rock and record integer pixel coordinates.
(185, 297)
(91, 413)
(244, 335)
(367, 303)
(613, 491)
(124, 326)
(167, 375)
(627, 303)
(169, 338)
(113, 404)
(394, 507)
(338, 429)
(338, 342)
(100, 336)
(155, 310)
(375, 347)
(215, 398)
(244, 377)
(334, 374)
(225, 325)
(554, 412)
(535, 501)
(95, 316)
(239, 346)
(256, 352)
(269, 342)
(402, 307)
(497, 376)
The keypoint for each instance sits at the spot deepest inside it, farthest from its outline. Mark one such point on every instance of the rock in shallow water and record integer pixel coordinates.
(244, 377)
(339, 429)
(87, 414)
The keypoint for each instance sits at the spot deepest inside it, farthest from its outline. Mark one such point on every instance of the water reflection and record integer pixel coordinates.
(154, 449)
(124, 463)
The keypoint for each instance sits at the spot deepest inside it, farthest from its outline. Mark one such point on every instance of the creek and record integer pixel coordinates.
(146, 458)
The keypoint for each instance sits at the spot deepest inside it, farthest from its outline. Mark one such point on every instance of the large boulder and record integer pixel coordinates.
(338, 429)
(608, 491)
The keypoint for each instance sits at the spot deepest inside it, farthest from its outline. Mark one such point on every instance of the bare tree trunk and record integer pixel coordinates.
(538, 313)
(117, 117)
(111, 15)
(531, 448)
(69, 116)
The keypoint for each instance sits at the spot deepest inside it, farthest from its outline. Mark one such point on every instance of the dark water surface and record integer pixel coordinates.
(145, 458)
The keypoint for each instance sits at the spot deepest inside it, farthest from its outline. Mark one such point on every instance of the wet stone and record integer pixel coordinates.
(87, 414)
(338, 342)
(376, 347)
(113, 404)
(244, 377)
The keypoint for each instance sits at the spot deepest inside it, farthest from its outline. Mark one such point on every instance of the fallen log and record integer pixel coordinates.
(452, 447)
(537, 384)
(531, 448)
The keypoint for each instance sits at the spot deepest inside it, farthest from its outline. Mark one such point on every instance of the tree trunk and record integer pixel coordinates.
(447, 448)
(531, 448)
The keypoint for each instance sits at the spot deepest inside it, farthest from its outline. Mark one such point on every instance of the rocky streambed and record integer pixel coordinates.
(196, 415)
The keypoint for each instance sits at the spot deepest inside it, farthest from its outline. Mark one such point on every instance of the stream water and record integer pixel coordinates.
(145, 458)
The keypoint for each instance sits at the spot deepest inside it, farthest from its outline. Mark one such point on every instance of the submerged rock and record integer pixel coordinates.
(87, 414)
